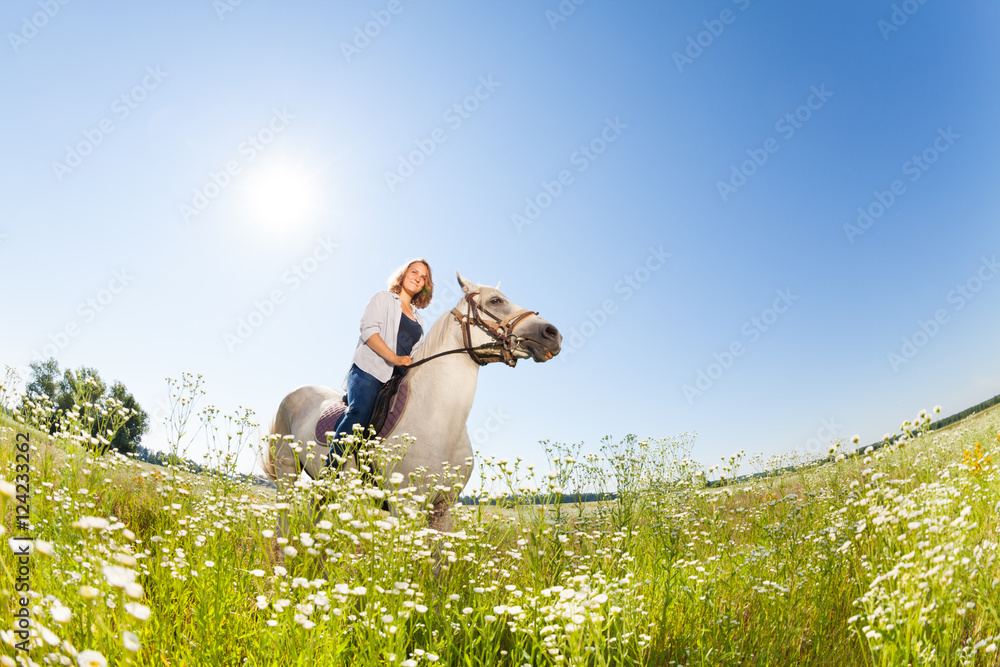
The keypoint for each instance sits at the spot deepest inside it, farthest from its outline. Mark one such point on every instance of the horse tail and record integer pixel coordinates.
(280, 426)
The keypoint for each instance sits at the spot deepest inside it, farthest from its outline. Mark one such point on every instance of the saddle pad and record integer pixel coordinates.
(328, 420)
(396, 406)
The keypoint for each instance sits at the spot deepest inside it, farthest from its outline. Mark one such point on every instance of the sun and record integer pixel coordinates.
(280, 196)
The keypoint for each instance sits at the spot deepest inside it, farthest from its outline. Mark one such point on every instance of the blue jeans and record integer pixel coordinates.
(361, 390)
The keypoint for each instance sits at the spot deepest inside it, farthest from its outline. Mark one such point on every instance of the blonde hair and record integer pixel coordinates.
(422, 298)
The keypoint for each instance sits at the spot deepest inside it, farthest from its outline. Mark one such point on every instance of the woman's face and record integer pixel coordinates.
(415, 278)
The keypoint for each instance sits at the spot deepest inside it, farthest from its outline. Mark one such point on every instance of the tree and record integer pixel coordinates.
(83, 385)
(44, 378)
(78, 389)
(128, 436)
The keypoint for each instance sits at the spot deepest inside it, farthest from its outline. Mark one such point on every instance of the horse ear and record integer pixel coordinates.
(467, 286)
(498, 285)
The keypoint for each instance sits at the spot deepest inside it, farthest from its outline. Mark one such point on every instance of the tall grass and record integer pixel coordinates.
(884, 558)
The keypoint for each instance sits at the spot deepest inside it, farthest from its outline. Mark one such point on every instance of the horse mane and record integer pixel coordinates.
(436, 338)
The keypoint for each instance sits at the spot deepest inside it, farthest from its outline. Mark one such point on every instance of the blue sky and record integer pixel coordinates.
(667, 183)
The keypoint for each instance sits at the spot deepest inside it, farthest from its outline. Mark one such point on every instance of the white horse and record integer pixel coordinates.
(484, 327)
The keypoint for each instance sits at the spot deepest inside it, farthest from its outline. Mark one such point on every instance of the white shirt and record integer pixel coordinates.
(381, 317)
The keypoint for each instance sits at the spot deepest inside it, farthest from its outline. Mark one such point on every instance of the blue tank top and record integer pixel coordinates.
(408, 335)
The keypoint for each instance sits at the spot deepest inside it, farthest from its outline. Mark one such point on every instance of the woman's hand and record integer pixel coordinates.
(376, 343)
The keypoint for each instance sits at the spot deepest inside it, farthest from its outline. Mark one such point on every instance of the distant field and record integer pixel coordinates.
(888, 558)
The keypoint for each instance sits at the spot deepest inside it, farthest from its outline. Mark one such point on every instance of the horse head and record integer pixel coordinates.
(491, 320)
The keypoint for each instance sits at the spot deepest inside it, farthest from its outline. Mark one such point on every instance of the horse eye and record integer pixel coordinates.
(496, 301)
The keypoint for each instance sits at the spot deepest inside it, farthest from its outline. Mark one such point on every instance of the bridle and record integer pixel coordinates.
(500, 330)
(504, 341)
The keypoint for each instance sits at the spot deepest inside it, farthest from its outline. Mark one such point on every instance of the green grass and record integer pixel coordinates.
(888, 558)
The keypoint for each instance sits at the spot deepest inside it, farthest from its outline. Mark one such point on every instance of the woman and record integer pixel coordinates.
(391, 331)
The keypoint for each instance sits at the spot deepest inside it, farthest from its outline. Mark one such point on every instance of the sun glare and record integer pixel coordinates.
(281, 196)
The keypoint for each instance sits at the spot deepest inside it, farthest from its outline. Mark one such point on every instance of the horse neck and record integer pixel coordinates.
(445, 334)
(448, 382)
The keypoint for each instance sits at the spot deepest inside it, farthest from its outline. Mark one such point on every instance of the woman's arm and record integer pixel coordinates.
(372, 322)
(376, 343)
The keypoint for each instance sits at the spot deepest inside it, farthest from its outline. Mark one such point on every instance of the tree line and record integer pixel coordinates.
(54, 398)
(538, 499)
(947, 421)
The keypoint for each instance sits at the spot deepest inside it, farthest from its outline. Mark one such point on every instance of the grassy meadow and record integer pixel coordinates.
(888, 557)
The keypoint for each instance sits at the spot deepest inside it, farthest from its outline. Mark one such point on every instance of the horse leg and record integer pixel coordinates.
(440, 516)
(440, 520)
(286, 472)
(282, 527)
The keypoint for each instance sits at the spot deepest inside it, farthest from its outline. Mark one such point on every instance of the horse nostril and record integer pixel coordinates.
(551, 332)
